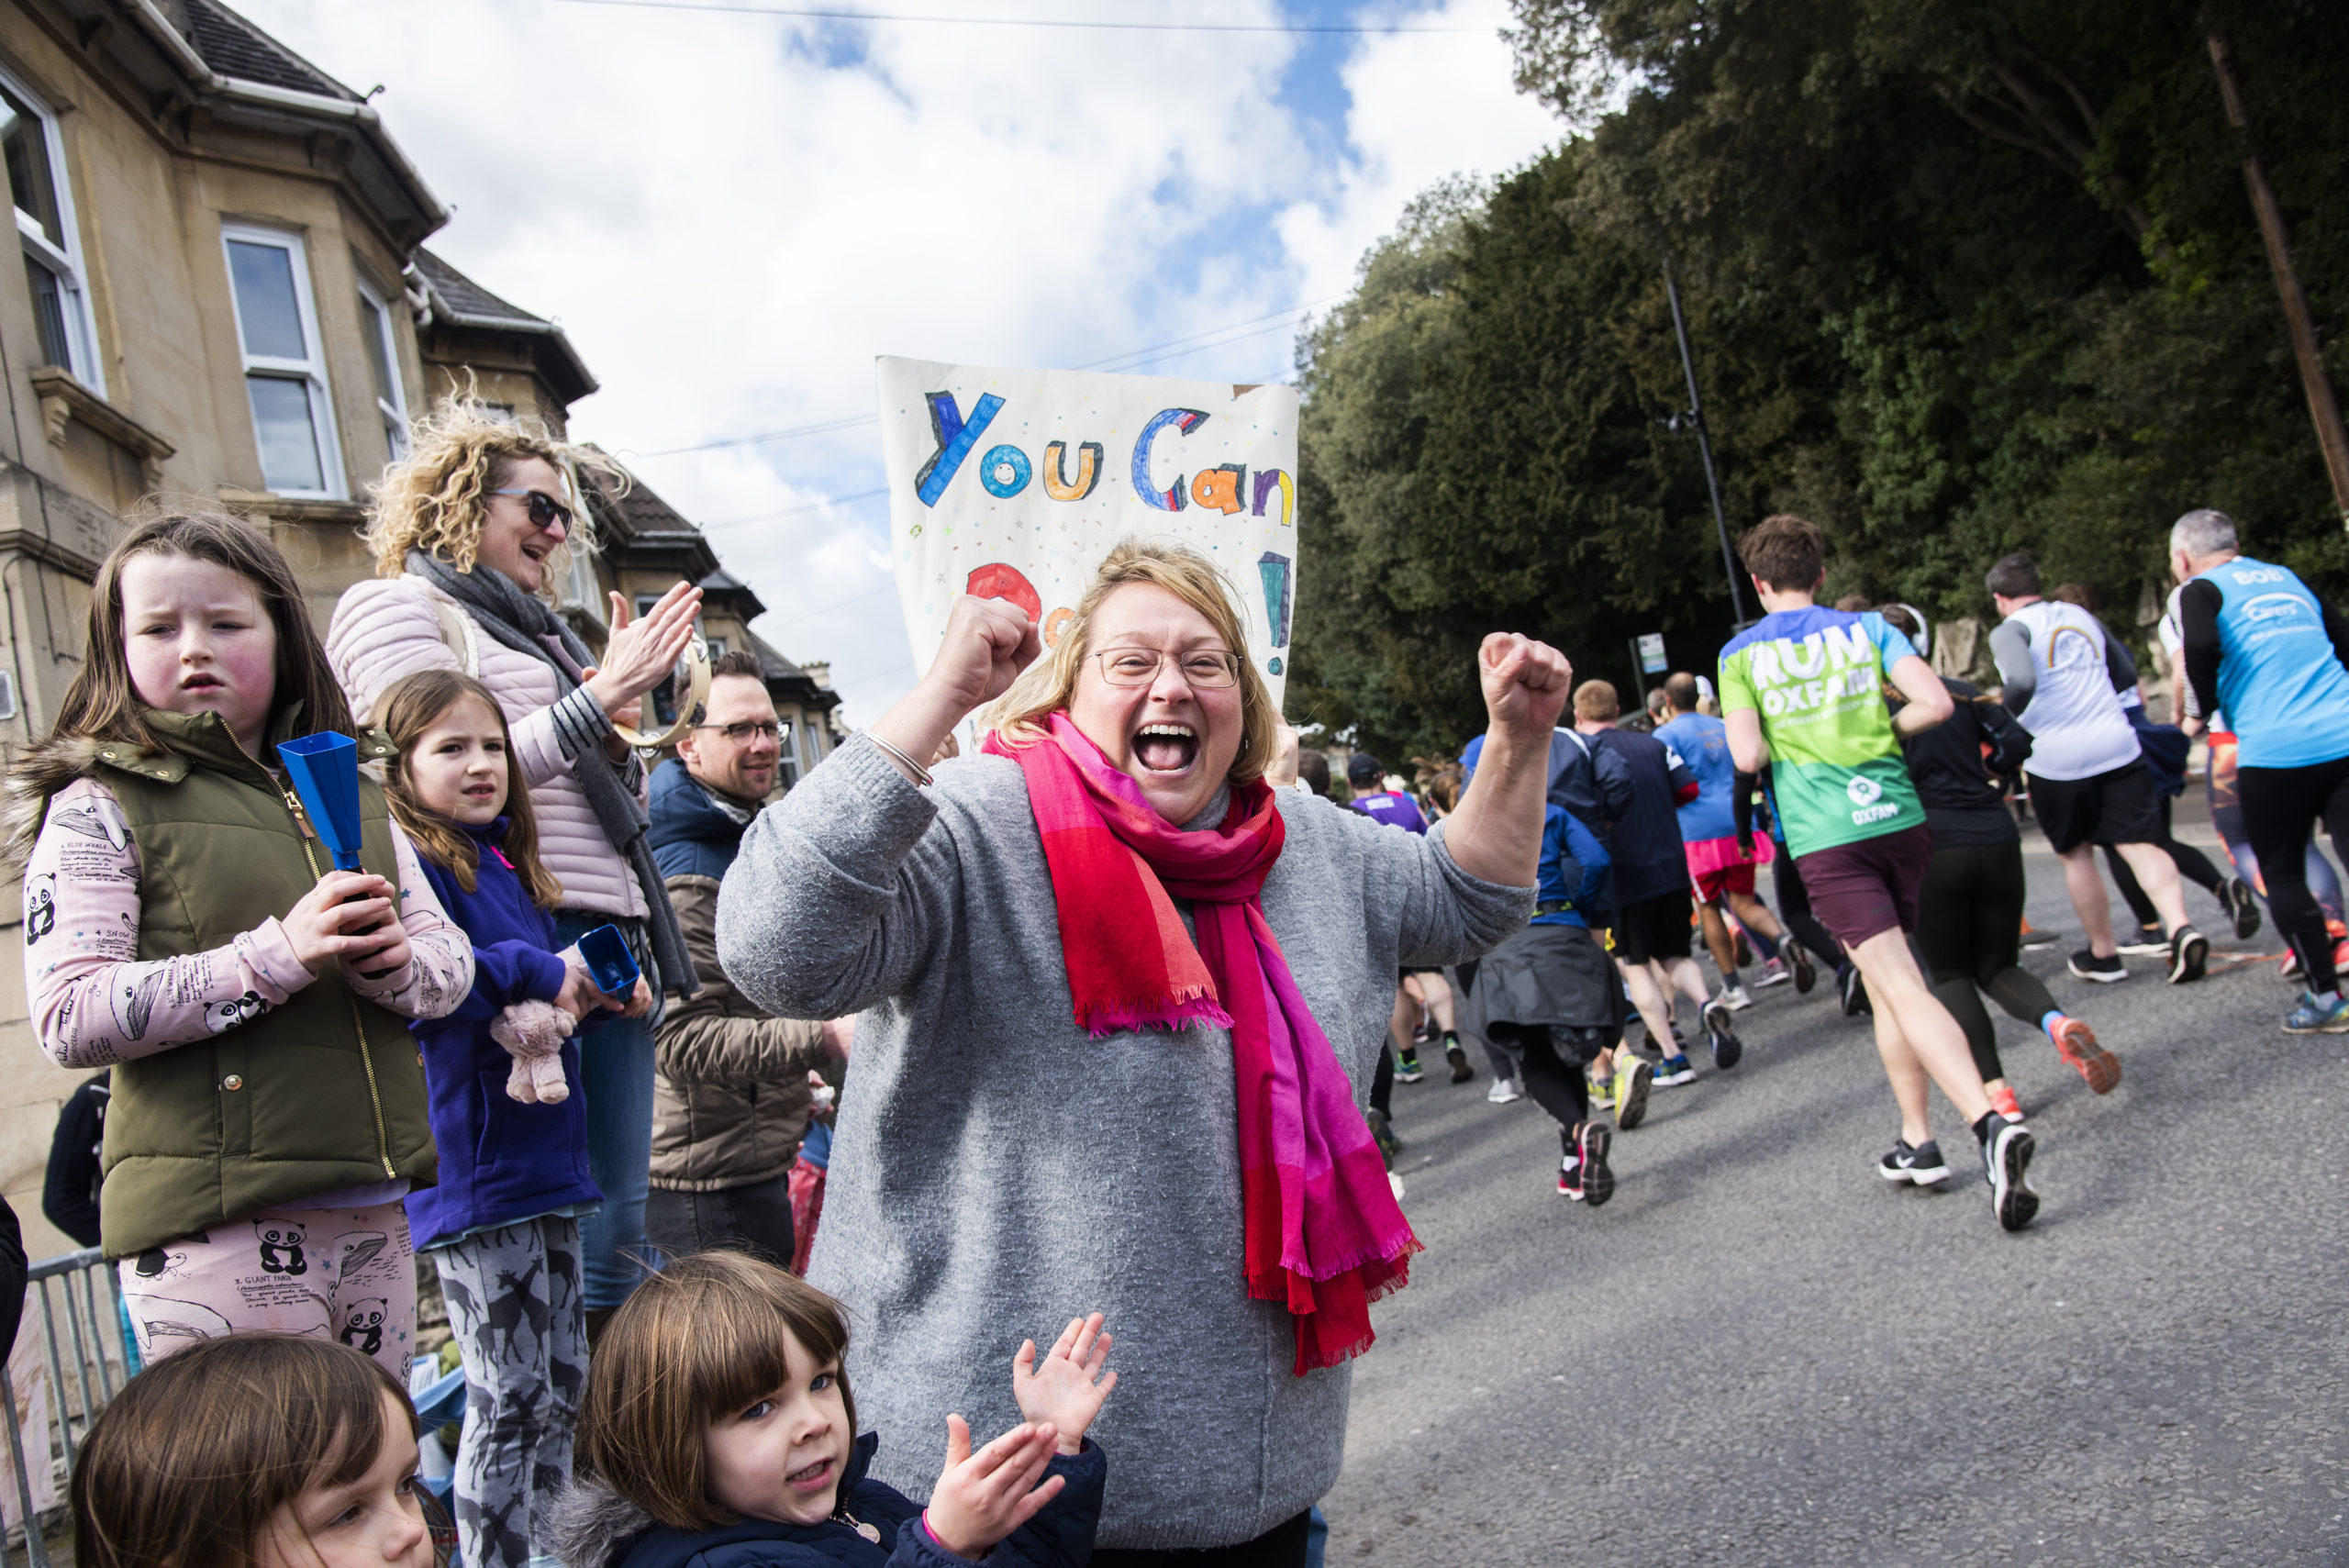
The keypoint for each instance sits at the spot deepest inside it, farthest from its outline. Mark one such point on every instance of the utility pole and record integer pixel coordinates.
(1695, 417)
(2322, 409)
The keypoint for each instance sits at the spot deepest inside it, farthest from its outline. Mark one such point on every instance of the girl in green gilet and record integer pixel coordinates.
(182, 926)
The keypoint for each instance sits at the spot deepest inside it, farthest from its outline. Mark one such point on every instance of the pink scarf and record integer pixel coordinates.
(1324, 1234)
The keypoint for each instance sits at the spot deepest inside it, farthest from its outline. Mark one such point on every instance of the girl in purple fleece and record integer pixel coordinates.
(502, 1226)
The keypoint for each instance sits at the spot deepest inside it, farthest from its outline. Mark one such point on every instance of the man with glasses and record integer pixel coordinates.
(731, 1101)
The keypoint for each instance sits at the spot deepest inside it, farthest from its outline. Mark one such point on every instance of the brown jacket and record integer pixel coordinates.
(729, 1102)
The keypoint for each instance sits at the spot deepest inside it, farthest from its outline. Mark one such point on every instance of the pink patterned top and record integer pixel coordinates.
(94, 1003)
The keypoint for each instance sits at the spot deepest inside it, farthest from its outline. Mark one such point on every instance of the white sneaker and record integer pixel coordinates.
(1396, 1182)
(1504, 1090)
(1734, 999)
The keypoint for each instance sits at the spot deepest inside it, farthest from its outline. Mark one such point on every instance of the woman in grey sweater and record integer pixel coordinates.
(998, 1161)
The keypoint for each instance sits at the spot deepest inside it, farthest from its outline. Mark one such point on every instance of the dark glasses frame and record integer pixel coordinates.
(544, 508)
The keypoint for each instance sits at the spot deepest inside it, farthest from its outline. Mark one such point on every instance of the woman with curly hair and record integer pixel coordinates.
(468, 532)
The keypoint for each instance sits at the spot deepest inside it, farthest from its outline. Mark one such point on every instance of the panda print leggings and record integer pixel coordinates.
(520, 1317)
(332, 1273)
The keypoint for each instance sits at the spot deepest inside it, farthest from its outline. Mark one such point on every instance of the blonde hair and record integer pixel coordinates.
(435, 497)
(1047, 685)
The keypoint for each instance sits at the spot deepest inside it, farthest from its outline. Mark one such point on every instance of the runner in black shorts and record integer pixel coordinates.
(1652, 910)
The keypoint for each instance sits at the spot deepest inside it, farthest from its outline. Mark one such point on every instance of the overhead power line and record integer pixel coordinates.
(1254, 325)
(1088, 24)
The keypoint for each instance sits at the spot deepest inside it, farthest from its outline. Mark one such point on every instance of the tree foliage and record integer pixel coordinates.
(1962, 278)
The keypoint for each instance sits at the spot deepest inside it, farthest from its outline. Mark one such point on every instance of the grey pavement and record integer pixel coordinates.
(1761, 1352)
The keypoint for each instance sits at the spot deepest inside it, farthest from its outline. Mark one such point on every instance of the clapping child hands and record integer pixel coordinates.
(981, 1498)
(1067, 1390)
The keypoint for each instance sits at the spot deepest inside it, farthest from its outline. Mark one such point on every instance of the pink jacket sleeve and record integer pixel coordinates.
(384, 629)
(94, 1003)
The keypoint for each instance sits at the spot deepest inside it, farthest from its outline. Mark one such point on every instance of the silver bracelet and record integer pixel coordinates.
(920, 773)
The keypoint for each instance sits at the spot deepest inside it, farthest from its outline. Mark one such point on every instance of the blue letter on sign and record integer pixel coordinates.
(1004, 457)
(955, 440)
(1185, 421)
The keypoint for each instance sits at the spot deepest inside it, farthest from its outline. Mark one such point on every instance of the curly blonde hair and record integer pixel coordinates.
(435, 497)
(1047, 684)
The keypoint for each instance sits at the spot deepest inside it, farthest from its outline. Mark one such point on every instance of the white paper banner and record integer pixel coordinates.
(1013, 484)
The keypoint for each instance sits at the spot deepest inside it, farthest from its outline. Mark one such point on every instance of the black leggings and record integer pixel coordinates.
(2192, 864)
(1283, 1546)
(1382, 1083)
(1794, 908)
(2281, 807)
(1969, 924)
(1556, 1084)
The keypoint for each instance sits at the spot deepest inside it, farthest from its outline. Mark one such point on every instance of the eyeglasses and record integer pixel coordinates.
(738, 733)
(1206, 672)
(544, 508)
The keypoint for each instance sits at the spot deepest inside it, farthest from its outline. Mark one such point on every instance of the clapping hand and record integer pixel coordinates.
(1066, 1391)
(981, 1497)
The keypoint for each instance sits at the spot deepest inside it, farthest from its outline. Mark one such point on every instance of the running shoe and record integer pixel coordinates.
(1631, 1093)
(1407, 1070)
(2032, 941)
(1461, 1071)
(1382, 1132)
(1505, 1092)
(2313, 1016)
(1583, 1175)
(2149, 944)
(1395, 1185)
(1922, 1166)
(1773, 972)
(2243, 907)
(1853, 989)
(2290, 968)
(2075, 1043)
(1602, 1092)
(2003, 1101)
(1805, 975)
(1727, 1047)
(1734, 999)
(2189, 955)
(1672, 1071)
(2103, 970)
(2007, 1157)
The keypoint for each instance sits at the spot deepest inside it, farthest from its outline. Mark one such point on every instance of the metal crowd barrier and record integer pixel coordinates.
(92, 1345)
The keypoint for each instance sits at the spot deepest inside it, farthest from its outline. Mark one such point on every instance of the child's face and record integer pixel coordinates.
(780, 1457)
(199, 639)
(375, 1521)
(458, 767)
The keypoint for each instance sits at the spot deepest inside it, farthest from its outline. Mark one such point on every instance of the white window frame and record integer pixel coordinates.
(64, 264)
(393, 411)
(786, 762)
(313, 370)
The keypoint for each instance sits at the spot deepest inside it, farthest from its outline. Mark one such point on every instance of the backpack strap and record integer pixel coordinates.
(459, 634)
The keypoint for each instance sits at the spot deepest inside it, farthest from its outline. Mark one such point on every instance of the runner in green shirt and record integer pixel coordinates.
(1804, 687)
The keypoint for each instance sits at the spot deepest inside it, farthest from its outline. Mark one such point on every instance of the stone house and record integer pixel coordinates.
(227, 301)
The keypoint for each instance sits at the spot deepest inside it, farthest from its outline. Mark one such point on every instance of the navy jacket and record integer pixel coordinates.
(690, 836)
(500, 1161)
(1648, 861)
(1060, 1536)
(1584, 779)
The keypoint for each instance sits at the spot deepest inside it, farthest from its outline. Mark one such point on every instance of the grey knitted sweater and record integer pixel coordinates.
(996, 1171)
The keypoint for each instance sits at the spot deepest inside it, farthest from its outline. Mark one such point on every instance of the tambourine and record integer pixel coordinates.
(697, 680)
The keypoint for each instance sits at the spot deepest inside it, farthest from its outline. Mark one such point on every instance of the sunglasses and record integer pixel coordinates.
(545, 509)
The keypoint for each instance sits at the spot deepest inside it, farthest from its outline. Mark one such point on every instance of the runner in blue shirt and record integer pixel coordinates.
(2275, 658)
(1723, 871)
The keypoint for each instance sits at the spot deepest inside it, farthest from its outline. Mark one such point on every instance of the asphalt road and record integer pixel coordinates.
(1760, 1353)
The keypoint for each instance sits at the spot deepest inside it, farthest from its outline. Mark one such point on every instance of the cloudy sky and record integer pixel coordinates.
(732, 215)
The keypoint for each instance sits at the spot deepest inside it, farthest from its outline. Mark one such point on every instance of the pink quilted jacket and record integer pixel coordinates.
(384, 629)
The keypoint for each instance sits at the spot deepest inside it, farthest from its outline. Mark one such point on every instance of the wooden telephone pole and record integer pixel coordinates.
(2322, 409)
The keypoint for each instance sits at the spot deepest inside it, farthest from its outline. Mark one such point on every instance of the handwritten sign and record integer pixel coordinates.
(1013, 484)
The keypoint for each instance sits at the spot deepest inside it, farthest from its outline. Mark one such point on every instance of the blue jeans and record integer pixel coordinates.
(615, 1075)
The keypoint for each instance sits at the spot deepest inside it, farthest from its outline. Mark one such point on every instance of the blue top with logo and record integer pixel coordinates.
(2283, 689)
(1702, 742)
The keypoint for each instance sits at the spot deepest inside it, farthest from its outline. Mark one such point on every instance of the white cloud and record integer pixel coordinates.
(731, 215)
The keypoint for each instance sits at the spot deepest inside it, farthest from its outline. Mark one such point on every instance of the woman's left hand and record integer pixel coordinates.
(1527, 684)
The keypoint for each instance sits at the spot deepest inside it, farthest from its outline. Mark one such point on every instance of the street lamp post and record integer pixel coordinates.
(1695, 418)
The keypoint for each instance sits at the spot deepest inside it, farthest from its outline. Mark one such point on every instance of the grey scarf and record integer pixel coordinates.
(525, 623)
